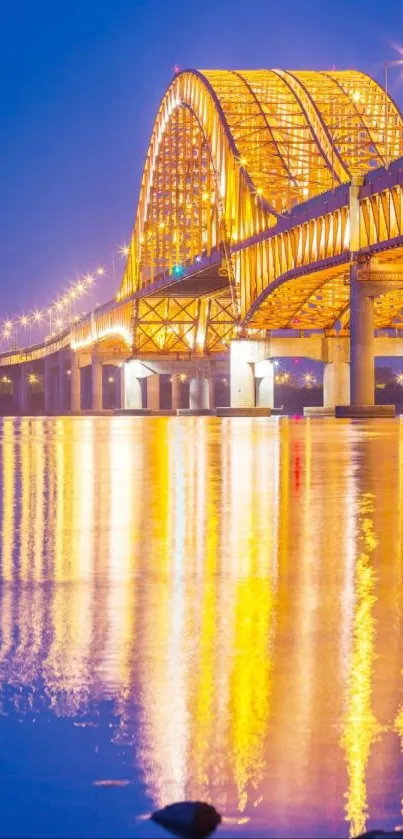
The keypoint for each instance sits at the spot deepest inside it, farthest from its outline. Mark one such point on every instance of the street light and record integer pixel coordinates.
(387, 64)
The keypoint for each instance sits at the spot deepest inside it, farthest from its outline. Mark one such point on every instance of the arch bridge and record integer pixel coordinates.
(270, 200)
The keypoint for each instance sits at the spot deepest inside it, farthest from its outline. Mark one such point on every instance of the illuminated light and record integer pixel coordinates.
(399, 378)
(162, 225)
(58, 323)
(73, 294)
(177, 270)
(224, 381)
(198, 259)
(123, 250)
(24, 320)
(100, 271)
(205, 196)
(111, 379)
(32, 378)
(276, 363)
(356, 96)
(68, 372)
(80, 287)
(259, 190)
(37, 316)
(89, 279)
(243, 161)
(119, 331)
(59, 305)
(183, 377)
(8, 324)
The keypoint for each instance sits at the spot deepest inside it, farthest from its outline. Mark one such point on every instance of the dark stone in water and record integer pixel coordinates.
(379, 834)
(191, 819)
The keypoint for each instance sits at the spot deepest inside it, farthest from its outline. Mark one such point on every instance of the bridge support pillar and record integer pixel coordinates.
(176, 391)
(265, 390)
(23, 395)
(199, 393)
(153, 392)
(242, 375)
(336, 384)
(62, 383)
(361, 342)
(96, 387)
(122, 386)
(48, 390)
(75, 383)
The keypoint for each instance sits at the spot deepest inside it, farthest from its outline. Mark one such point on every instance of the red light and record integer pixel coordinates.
(296, 360)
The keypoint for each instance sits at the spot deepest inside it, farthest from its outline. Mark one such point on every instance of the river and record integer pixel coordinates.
(200, 608)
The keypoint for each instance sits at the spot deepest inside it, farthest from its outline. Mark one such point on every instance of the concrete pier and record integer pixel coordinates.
(361, 342)
(336, 384)
(199, 394)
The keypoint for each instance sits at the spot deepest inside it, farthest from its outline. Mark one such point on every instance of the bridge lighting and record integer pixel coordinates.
(89, 279)
(124, 250)
(205, 196)
(243, 161)
(356, 96)
(177, 270)
(399, 378)
(309, 379)
(259, 190)
(80, 287)
(101, 271)
(58, 323)
(59, 305)
(24, 320)
(37, 316)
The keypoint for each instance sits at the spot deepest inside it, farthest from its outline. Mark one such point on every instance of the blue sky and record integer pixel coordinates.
(80, 83)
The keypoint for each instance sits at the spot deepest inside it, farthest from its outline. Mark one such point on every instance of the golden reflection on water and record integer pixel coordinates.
(234, 587)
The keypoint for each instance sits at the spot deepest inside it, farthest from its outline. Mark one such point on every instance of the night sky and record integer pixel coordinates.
(80, 83)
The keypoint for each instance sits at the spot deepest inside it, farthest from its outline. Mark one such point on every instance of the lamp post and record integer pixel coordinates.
(387, 64)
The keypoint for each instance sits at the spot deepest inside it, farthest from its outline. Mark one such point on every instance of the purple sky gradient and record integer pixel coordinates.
(80, 83)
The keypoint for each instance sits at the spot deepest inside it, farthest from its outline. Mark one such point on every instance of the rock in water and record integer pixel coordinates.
(379, 834)
(191, 819)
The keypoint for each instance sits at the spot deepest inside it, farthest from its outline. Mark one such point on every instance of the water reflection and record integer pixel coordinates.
(233, 588)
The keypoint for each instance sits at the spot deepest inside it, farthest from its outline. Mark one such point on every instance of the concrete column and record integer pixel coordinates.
(241, 375)
(153, 392)
(134, 396)
(336, 384)
(122, 385)
(75, 379)
(211, 385)
(361, 343)
(62, 384)
(199, 393)
(97, 384)
(23, 389)
(265, 392)
(176, 390)
(48, 384)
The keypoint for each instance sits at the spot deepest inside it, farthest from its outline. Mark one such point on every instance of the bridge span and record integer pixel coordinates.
(269, 223)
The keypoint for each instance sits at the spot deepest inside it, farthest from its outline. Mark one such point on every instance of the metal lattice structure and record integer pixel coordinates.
(231, 155)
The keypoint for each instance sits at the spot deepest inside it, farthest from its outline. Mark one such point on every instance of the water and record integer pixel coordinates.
(200, 608)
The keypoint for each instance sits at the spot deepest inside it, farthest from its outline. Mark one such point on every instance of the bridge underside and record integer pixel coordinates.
(319, 299)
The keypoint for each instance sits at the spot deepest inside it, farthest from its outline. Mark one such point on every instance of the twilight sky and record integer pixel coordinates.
(80, 83)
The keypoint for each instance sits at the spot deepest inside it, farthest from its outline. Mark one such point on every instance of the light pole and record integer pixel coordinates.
(387, 64)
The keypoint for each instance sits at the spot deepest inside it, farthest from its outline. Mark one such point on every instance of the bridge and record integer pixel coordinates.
(269, 224)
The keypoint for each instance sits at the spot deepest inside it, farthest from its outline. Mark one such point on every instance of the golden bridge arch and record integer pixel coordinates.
(232, 153)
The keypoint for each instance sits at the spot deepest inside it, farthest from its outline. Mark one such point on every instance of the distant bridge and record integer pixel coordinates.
(270, 200)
